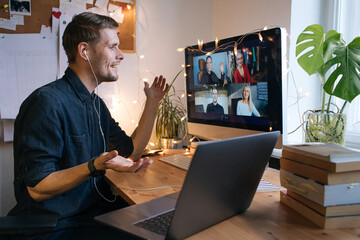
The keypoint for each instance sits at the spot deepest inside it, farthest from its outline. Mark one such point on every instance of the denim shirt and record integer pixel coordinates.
(58, 128)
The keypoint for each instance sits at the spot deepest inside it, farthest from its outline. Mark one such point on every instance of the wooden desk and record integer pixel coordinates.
(266, 218)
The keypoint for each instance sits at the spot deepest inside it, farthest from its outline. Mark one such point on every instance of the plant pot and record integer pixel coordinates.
(325, 128)
(170, 143)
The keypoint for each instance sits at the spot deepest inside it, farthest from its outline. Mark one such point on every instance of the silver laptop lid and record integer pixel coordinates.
(221, 182)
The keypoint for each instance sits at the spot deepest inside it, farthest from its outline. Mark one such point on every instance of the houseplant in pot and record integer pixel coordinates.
(337, 66)
(171, 122)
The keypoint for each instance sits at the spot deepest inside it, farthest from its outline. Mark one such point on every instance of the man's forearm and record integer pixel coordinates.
(142, 133)
(59, 182)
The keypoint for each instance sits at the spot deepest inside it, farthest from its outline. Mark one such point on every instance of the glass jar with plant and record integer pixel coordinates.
(171, 122)
(337, 65)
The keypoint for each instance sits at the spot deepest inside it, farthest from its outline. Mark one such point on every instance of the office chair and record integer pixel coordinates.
(15, 225)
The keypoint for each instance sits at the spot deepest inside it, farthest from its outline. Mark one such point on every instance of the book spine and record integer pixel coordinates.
(329, 166)
(318, 174)
(318, 219)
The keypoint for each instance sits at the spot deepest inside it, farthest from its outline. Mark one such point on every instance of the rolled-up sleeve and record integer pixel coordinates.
(40, 142)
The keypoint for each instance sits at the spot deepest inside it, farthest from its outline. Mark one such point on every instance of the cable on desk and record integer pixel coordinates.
(149, 189)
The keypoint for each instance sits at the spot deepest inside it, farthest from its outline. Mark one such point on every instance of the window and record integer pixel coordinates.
(347, 22)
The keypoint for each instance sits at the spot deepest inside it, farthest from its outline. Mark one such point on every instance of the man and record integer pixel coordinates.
(214, 107)
(65, 137)
(209, 77)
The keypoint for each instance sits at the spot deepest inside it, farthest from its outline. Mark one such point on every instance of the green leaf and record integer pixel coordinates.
(347, 63)
(310, 45)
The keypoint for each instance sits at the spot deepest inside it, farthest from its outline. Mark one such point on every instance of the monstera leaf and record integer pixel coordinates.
(346, 62)
(310, 42)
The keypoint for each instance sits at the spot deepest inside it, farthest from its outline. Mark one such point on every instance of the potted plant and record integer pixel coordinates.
(171, 122)
(337, 65)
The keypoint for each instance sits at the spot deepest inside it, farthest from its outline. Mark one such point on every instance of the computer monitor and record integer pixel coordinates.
(236, 86)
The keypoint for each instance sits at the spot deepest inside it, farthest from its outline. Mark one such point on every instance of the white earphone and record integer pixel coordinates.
(101, 131)
(85, 52)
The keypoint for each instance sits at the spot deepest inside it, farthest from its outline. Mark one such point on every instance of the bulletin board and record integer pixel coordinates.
(41, 11)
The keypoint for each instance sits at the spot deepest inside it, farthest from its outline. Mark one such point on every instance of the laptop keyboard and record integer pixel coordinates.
(158, 224)
(178, 160)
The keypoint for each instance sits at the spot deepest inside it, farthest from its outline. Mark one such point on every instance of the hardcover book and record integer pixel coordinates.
(325, 195)
(318, 174)
(331, 157)
(320, 220)
(330, 211)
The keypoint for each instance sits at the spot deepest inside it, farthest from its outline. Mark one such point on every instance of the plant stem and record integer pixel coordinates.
(343, 107)
(323, 102)
(329, 103)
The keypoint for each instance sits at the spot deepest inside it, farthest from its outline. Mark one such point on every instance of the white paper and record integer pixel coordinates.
(73, 4)
(7, 130)
(28, 61)
(98, 11)
(116, 13)
(124, 1)
(55, 21)
(17, 19)
(83, 1)
(101, 4)
(113, 7)
(45, 30)
(7, 24)
(118, 17)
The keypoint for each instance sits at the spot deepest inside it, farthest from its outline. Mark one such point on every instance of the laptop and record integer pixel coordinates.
(221, 182)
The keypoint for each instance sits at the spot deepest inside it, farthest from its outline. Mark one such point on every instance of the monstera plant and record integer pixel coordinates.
(337, 65)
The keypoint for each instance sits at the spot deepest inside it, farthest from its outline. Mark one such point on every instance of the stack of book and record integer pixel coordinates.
(323, 183)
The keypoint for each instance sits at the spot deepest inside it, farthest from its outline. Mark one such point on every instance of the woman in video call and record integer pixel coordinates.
(241, 74)
(245, 106)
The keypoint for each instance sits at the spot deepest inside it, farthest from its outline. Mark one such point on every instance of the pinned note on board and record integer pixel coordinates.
(22, 7)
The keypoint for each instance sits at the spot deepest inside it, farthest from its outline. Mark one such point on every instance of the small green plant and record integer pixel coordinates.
(329, 55)
(171, 116)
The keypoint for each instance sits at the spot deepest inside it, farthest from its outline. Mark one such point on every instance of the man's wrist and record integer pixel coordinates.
(93, 171)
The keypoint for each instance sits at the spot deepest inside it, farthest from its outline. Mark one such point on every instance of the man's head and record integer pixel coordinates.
(85, 27)
(93, 38)
(214, 94)
(208, 64)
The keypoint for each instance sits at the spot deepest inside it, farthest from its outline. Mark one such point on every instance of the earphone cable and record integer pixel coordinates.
(101, 131)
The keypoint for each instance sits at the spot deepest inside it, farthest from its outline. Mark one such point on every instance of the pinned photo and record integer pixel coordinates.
(20, 7)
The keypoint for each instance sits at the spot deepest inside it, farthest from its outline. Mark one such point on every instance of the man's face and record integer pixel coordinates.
(214, 94)
(106, 56)
(208, 64)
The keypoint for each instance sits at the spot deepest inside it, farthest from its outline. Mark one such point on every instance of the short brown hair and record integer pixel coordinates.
(84, 27)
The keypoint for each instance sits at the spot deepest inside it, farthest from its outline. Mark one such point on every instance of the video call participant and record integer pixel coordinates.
(65, 137)
(201, 70)
(209, 77)
(214, 107)
(241, 74)
(245, 106)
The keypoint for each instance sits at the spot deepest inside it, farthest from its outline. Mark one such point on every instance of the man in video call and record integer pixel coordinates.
(65, 137)
(209, 76)
(214, 107)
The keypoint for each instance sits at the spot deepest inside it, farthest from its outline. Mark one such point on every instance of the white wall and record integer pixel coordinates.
(162, 26)
(235, 17)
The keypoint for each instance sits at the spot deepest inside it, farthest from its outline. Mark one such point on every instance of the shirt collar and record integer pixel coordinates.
(81, 91)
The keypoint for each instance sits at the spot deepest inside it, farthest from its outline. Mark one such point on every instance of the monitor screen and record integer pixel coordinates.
(237, 82)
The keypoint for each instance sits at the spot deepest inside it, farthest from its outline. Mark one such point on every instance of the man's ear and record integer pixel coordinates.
(82, 50)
